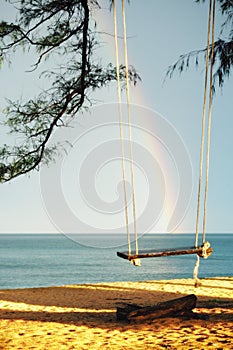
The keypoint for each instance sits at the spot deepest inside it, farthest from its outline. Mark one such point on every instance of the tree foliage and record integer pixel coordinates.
(51, 27)
(65, 28)
(223, 49)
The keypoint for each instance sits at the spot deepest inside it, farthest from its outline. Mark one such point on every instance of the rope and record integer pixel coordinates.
(209, 126)
(134, 261)
(129, 127)
(121, 125)
(210, 25)
(203, 127)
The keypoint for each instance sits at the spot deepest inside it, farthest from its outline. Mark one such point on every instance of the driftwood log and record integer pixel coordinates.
(171, 308)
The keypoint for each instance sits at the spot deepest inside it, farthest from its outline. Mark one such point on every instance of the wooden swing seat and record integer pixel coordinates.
(204, 251)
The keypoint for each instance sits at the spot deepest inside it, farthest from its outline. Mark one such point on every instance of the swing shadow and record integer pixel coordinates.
(94, 306)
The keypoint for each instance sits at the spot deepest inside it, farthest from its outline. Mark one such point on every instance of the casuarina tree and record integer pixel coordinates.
(223, 48)
(61, 29)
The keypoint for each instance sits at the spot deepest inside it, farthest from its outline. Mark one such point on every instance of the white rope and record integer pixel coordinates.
(121, 125)
(134, 261)
(129, 128)
(203, 127)
(209, 127)
(195, 271)
(211, 23)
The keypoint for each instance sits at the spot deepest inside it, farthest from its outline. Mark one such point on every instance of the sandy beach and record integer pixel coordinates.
(84, 316)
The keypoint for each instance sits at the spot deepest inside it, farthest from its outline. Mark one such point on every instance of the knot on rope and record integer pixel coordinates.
(206, 250)
(135, 262)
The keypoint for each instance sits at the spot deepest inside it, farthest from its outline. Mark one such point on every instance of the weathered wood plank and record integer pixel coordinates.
(155, 254)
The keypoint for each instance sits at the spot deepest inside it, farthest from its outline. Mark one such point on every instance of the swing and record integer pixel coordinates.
(204, 250)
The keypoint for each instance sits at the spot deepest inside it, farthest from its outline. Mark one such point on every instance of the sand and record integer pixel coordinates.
(84, 316)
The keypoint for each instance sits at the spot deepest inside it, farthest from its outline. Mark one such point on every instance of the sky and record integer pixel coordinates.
(82, 192)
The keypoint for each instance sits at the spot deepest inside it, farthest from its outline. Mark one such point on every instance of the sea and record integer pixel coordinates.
(41, 260)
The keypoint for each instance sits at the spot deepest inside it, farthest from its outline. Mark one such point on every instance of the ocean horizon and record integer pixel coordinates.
(42, 260)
